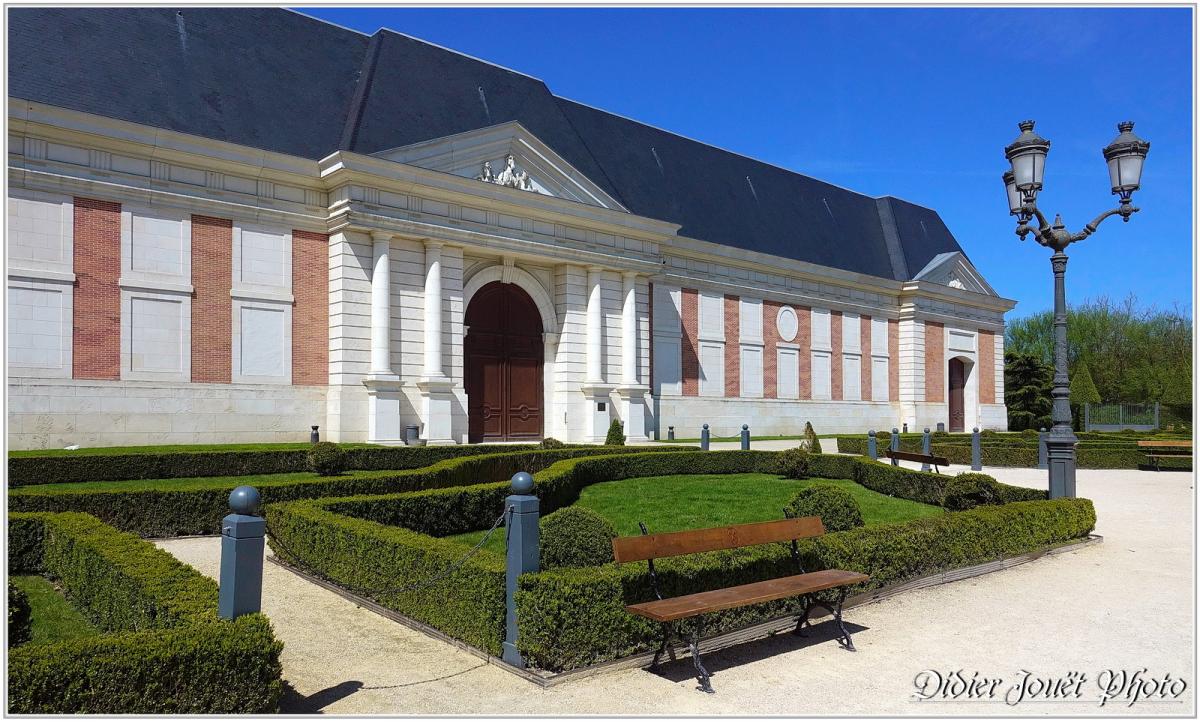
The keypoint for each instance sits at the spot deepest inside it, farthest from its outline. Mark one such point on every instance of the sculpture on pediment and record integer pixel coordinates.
(955, 283)
(511, 176)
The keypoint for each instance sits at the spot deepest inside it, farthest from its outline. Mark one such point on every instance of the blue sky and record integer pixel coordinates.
(915, 103)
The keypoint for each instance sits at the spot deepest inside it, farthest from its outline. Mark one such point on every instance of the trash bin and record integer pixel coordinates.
(411, 433)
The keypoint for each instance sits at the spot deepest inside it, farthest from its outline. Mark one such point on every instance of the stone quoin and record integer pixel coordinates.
(367, 232)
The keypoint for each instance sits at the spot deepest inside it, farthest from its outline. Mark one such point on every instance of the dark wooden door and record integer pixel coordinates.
(958, 380)
(503, 357)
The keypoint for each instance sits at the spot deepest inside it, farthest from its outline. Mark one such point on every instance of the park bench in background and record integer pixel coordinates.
(1156, 451)
(934, 461)
(675, 609)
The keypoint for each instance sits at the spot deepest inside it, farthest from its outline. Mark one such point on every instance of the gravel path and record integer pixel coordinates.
(1124, 604)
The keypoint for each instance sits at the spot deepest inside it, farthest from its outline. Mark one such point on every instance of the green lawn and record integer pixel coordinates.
(53, 619)
(674, 503)
(168, 449)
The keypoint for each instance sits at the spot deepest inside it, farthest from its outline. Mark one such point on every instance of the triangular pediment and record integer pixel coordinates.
(535, 167)
(954, 270)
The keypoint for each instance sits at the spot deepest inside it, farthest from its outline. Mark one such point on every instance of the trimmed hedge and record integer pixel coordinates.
(20, 621)
(571, 618)
(1094, 451)
(575, 536)
(98, 465)
(374, 545)
(169, 508)
(832, 504)
(164, 651)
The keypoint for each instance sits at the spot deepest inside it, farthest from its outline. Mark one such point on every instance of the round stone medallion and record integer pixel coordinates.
(787, 323)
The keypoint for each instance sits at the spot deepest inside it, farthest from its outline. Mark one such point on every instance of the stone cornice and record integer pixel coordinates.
(958, 296)
(790, 295)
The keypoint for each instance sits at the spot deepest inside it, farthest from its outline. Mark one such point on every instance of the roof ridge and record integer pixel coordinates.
(362, 91)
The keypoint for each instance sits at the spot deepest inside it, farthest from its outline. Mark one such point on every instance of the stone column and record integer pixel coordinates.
(383, 385)
(595, 390)
(632, 391)
(436, 388)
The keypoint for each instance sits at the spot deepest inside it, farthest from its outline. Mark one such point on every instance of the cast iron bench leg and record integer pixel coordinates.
(694, 643)
(666, 639)
(837, 615)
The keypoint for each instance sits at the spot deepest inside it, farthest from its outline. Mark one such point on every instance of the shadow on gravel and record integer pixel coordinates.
(680, 669)
(292, 702)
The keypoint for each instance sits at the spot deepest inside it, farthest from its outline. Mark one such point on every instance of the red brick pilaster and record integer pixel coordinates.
(770, 348)
(935, 361)
(835, 357)
(212, 307)
(987, 367)
(310, 315)
(689, 346)
(96, 307)
(893, 360)
(864, 364)
(804, 341)
(733, 347)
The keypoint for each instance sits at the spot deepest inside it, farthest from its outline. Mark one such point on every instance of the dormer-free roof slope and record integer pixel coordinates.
(280, 81)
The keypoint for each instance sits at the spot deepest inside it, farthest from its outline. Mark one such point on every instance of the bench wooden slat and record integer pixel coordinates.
(913, 456)
(667, 610)
(1168, 444)
(677, 543)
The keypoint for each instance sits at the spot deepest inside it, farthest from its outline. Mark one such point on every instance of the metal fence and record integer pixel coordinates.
(1115, 417)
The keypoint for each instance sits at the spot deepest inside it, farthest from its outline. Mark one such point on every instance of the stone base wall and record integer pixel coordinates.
(54, 413)
(768, 417)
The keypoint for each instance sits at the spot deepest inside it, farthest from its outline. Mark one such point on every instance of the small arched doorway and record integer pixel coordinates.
(503, 357)
(957, 383)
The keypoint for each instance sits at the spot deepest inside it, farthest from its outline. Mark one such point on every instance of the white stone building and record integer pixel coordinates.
(223, 250)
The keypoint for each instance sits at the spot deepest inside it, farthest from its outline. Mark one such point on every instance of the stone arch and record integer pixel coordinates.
(523, 279)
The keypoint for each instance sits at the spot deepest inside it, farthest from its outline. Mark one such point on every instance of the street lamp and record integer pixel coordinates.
(1027, 154)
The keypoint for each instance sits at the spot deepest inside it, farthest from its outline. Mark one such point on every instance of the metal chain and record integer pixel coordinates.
(429, 582)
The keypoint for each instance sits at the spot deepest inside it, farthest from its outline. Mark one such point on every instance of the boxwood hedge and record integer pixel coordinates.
(177, 507)
(374, 545)
(160, 624)
(1094, 451)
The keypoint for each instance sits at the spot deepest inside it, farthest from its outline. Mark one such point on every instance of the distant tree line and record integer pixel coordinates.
(1117, 353)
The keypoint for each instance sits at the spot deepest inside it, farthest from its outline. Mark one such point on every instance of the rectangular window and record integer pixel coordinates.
(851, 333)
(712, 369)
(821, 385)
(879, 378)
(668, 378)
(752, 372)
(851, 377)
(820, 329)
(788, 373)
(751, 320)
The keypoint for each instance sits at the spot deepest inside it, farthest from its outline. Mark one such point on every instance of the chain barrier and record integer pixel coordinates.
(429, 582)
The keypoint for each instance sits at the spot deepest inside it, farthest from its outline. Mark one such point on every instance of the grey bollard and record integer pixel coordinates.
(895, 444)
(315, 436)
(941, 427)
(745, 437)
(521, 557)
(906, 427)
(976, 451)
(670, 433)
(704, 438)
(1043, 453)
(925, 449)
(872, 451)
(242, 541)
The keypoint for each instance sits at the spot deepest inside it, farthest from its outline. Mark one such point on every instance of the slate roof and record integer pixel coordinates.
(281, 81)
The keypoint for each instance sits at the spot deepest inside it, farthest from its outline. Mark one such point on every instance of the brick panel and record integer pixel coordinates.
(804, 340)
(733, 347)
(835, 358)
(893, 359)
(212, 307)
(310, 315)
(96, 308)
(864, 340)
(689, 347)
(987, 367)
(935, 362)
(770, 349)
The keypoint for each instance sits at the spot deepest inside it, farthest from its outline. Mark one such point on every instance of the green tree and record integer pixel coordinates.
(1027, 383)
(1083, 391)
(616, 434)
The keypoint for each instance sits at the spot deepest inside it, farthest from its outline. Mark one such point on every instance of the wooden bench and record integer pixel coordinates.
(1185, 450)
(934, 461)
(674, 610)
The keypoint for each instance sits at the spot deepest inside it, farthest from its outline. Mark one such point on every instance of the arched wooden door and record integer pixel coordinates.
(503, 365)
(957, 382)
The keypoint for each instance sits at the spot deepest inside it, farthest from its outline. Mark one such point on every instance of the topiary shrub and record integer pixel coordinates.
(616, 434)
(969, 490)
(18, 616)
(551, 443)
(812, 443)
(835, 506)
(792, 463)
(326, 458)
(575, 536)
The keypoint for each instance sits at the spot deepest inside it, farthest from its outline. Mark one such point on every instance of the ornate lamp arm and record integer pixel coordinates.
(1124, 210)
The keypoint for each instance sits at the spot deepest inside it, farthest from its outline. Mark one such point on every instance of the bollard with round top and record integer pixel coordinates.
(242, 543)
(745, 437)
(315, 436)
(704, 438)
(925, 449)
(895, 444)
(976, 451)
(670, 433)
(872, 451)
(521, 556)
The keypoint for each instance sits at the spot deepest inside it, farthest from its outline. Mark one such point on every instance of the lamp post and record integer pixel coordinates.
(1027, 155)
